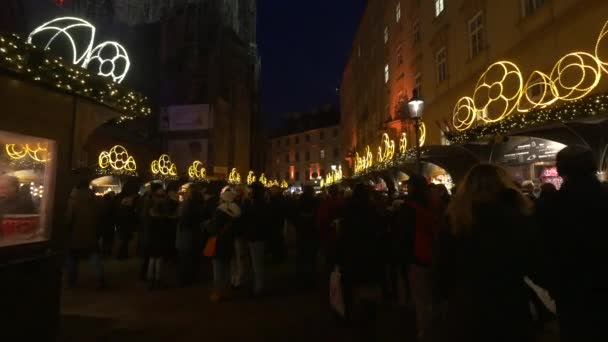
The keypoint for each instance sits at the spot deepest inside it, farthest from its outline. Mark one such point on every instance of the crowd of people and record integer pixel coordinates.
(483, 264)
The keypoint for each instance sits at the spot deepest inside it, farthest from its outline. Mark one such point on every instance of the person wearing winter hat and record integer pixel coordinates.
(221, 228)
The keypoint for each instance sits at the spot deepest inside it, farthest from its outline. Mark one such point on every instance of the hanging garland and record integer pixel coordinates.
(579, 109)
(34, 64)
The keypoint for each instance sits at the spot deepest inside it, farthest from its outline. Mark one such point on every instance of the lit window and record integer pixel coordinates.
(416, 31)
(530, 6)
(385, 35)
(386, 74)
(476, 34)
(322, 154)
(418, 84)
(442, 65)
(398, 12)
(439, 7)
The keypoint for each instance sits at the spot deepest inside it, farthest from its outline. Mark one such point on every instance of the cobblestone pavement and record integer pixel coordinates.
(127, 311)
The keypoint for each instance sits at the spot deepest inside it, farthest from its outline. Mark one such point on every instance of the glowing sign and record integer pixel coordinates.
(197, 172)
(164, 167)
(250, 178)
(234, 177)
(35, 152)
(112, 58)
(117, 159)
(500, 89)
(386, 150)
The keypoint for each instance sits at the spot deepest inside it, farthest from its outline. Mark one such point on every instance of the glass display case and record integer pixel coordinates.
(27, 173)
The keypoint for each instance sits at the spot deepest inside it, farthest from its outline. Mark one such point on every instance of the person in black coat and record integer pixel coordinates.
(189, 235)
(575, 239)
(484, 253)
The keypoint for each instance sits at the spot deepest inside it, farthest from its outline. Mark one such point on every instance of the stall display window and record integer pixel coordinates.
(27, 180)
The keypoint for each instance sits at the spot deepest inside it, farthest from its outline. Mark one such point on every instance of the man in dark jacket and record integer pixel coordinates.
(576, 250)
(256, 218)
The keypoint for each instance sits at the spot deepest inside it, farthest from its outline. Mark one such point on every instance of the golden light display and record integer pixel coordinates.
(250, 178)
(197, 172)
(263, 180)
(386, 150)
(421, 134)
(403, 143)
(234, 177)
(273, 183)
(36, 152)
(117, 159)
(163, 167)
(284, 184)
(573, 77)
(334, 176)
(362, 164)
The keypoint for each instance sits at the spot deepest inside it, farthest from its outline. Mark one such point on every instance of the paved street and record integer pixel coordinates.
(127, 311)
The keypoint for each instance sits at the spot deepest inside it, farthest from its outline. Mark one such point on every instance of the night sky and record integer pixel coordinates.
(304, 45)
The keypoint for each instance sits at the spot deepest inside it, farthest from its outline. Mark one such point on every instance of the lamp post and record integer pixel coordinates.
(416, 107)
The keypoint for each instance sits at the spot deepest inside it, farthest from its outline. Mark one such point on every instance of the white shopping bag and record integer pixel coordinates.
(543, 295)
(336, 300)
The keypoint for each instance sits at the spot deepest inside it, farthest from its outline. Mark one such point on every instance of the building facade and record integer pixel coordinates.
(442, 47)
(308, 148)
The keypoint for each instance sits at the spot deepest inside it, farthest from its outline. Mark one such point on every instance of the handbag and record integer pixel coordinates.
(336, 299)
(210, 247)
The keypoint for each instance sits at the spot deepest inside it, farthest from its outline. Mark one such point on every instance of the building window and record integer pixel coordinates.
(385, 34)
(398, 12)
(386, 74)
(297, 175)
(476, 34)
(297, 140)
(399, 56)
(336, 152)
(307, 155)
(335, 132)
(439, 7)
(287, 176)
(321, 135)
(307, 137)
(287, 158)
(416, 31)
(442, 65)
(322, 154)
(297, 156)
(418, 84)
(530, 6)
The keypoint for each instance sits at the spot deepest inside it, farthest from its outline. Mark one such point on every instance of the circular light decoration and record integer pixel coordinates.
(112, 58)
(36, 152)
(464, 114)
(164, 167)
(250, 178)
(598, 47)
(403, 143)
(498, 91)
(197, 172)
(234, 177)
(117, 160)
(548, 92)
(575, 75)
(421, 134)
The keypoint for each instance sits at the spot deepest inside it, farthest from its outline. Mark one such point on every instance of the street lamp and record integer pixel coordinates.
(416, 107)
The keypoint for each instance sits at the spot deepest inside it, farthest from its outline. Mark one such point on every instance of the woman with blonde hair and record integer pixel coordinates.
(483, 256)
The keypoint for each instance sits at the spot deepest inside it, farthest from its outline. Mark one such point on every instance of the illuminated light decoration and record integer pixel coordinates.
(164, 167)
(572, 78)
(464, 114)
(117, 160)
(284, 184)
(263, 180)
(369, 158)
(588, 70)
(322, 183)
(196, 171)
(64, 26)
(492, 90)
(234, 177)
(334, 177)
(549, 93)
(35, 152)
(421, 134)
(362, 164)
(403, 143)
(33, 64)
(273, 183)
(386, 150)
(250, 178)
